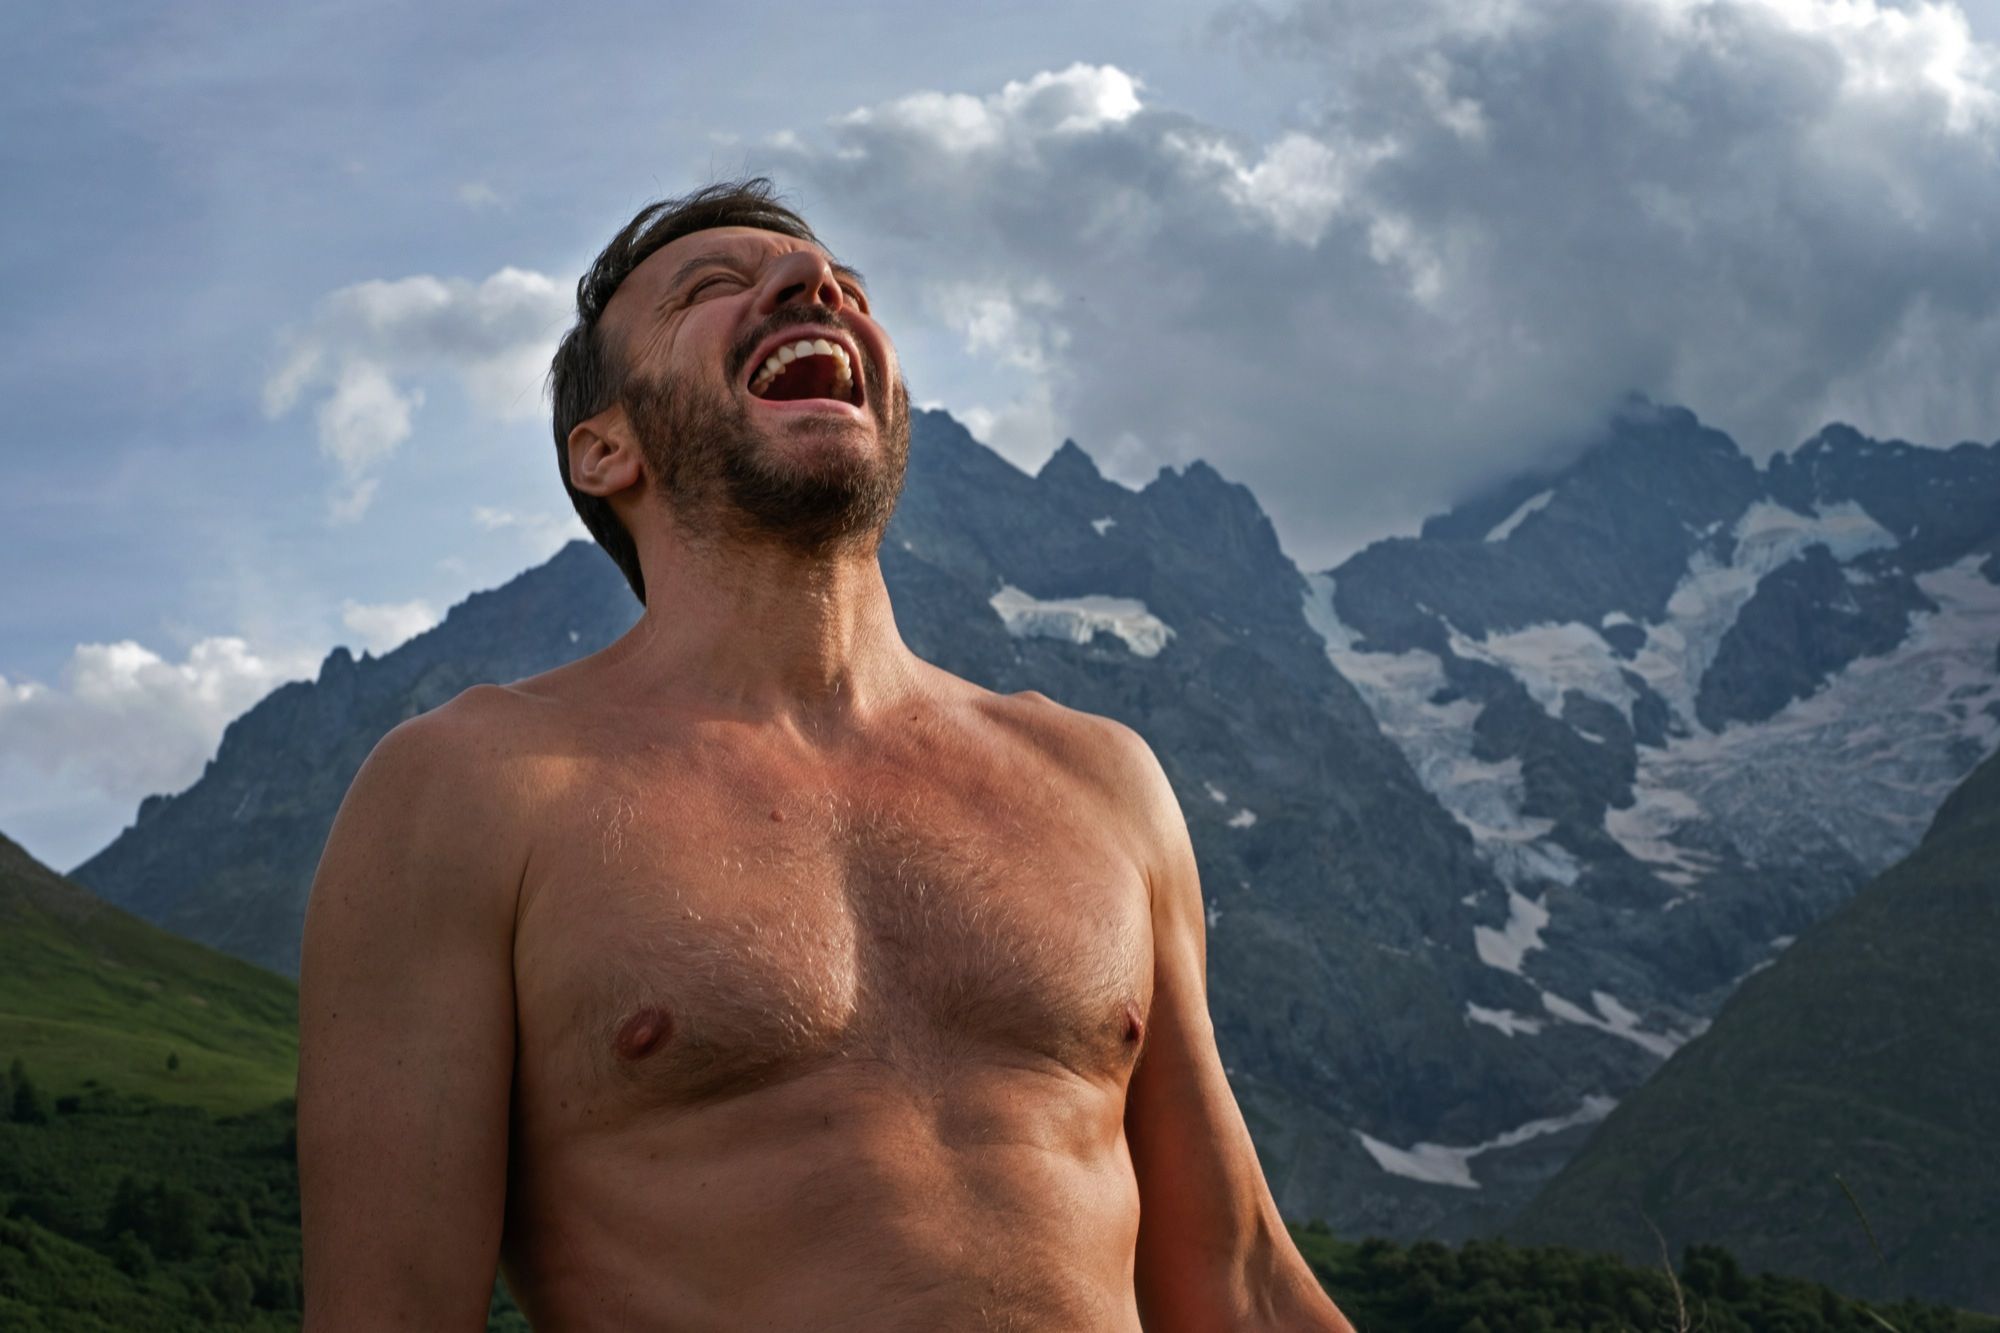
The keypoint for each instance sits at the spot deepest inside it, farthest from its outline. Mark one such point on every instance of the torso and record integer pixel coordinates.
(820, 1043)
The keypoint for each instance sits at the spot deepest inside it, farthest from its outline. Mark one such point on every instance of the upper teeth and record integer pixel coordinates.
(774, 365)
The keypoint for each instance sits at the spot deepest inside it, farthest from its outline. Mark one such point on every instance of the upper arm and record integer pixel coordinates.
(1213, 1251)
(406, 1038)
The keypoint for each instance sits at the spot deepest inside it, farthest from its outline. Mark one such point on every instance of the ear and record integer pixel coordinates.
(604, 455)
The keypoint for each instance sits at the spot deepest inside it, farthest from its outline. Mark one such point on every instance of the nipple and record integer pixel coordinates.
(1135, 1026)
(643, 1033)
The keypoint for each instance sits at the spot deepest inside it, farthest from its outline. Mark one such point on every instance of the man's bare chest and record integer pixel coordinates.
(687, 942)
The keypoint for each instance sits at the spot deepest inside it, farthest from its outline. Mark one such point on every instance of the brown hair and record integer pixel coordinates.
(587, 377)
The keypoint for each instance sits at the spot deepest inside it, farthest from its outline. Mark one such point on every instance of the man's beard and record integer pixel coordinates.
(724, 481)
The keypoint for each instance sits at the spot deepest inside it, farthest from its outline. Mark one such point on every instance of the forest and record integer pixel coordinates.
(122, 1212)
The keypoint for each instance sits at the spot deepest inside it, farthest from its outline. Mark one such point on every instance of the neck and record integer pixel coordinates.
(755, 629)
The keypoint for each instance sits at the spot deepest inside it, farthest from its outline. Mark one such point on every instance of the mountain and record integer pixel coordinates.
(1685, 706)
(1863, 1055)
(1482, 842)
(91, 992)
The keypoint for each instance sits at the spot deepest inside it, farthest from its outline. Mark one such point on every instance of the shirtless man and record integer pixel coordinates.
(753, 973)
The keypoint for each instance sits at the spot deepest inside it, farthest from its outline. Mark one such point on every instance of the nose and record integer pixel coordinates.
(803, 277)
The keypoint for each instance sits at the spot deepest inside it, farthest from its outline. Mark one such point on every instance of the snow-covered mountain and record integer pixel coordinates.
(1683, 705)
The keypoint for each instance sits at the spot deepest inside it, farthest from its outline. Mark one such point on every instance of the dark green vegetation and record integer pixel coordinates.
(147, 1172)
(120, 1212)
(1492, 1287)
(1863, 1061)
(88, 992)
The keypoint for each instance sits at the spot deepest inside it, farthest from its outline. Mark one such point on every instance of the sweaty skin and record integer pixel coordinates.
(755, 974)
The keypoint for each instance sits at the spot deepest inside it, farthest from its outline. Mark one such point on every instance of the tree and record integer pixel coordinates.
(28, 1107)
(235, 1220)
(173, 1062)
(129, 1212)
(232, 1289)
(180, 1223)
(131, 1255)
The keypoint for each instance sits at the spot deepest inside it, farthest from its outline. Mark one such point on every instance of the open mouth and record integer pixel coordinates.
(807, 368)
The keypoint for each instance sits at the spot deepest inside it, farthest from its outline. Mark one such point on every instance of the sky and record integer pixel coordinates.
(278, 284)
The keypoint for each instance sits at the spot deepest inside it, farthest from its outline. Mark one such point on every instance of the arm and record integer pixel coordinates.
(406, 1039)
(1213, 1252)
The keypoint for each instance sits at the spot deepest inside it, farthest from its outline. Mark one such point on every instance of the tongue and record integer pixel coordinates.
(807, 377)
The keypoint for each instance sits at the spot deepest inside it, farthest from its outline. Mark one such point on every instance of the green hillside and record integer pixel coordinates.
(147, 1153)
(1864, 1056)
(88, 992)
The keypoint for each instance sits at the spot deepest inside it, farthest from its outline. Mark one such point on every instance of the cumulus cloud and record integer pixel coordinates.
(368, 350)
(542, 534)
(1488, 222)
(123, 722)
(381, 626)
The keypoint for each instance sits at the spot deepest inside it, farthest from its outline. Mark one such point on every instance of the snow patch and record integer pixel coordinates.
(1646, 829)
(1706, 601)
(1243, 819)
(1215, 793)
(1505, 528)
(1551, 660)
(1506, 947)
(1081, 619)
(1615, 1019)
(1439, 1164)
(1103, 525)
(1858, 769)
(1506, 1020)
(1436, 738)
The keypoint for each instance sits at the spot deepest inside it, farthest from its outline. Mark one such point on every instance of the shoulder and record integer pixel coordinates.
(1111, 758)
(473, 737)
(1089, 744)
(458, 775)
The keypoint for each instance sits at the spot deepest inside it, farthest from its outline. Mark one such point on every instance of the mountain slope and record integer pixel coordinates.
(1865, 1053)
(88, 991)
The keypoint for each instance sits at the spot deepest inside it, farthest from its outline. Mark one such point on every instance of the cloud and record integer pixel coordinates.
(477, 195)
(369, 348)
(543, 534)
(1078, 100)
(382, 626)
(123, 722)
(1486, 224)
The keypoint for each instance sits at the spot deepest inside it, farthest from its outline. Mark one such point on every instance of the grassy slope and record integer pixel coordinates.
(90, 992)
(1865, 1052)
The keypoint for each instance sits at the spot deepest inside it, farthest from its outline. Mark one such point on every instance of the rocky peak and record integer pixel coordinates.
(1070, 466)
